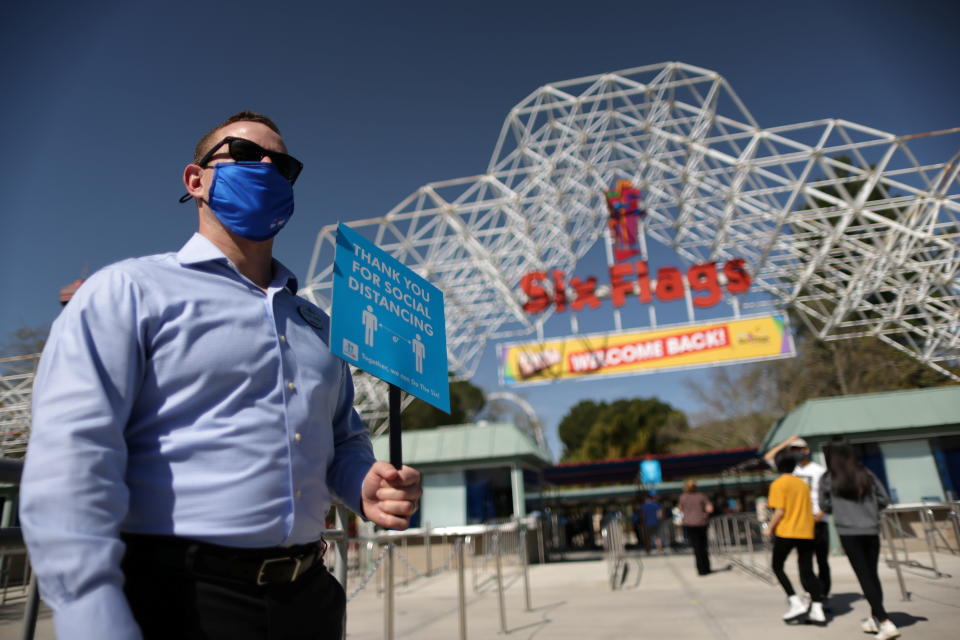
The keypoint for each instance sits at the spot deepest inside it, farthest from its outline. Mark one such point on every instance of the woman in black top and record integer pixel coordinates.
(855, 497)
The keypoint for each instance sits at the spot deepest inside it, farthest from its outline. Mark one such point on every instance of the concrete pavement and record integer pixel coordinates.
(573, 600)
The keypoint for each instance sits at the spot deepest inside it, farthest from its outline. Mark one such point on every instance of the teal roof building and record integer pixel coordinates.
(472, 473)
(910, 439)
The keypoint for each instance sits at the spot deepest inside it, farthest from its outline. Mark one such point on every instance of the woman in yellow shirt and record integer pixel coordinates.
(792, 527)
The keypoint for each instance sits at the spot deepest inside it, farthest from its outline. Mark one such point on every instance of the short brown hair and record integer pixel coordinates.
(690, 485)
(243, 116)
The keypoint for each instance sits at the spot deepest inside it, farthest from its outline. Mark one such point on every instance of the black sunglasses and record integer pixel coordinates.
(243, 150)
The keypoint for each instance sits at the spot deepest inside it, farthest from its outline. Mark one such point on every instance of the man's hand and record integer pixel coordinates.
(389, 497)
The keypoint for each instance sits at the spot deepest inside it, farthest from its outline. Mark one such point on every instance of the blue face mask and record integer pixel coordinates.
(251, 199)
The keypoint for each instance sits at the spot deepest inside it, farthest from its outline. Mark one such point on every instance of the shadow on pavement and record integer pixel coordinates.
(842, 603)
(902, 619)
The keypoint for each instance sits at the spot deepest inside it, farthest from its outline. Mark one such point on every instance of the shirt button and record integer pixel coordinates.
(297, 494)
(291, 386)
(283, 338)
(296, 437)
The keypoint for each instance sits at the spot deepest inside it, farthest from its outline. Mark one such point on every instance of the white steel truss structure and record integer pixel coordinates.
(837, 221)
(842, 223)
(16, 385)
(504, 405)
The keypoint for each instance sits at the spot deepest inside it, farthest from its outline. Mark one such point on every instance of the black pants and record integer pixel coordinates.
(864, 554)
(170, 602)
(697, 537)
(805, 550)
(821, 539)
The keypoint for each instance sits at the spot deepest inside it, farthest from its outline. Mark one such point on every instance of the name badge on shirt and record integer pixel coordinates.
(313, 317)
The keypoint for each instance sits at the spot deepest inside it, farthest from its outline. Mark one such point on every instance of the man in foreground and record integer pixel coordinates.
(191, 426)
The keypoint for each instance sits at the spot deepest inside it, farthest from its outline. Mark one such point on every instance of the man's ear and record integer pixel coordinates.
(191, 180)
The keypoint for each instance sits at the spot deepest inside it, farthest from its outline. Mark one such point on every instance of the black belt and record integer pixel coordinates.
(273, 565)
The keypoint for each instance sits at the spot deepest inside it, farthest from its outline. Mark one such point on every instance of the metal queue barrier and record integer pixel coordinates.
(738, 538)
(618, 560)
(383, 559)
(897, 531)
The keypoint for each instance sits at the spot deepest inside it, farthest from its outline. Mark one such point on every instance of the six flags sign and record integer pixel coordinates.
(624, 207)
(631, 352)
(634, 279)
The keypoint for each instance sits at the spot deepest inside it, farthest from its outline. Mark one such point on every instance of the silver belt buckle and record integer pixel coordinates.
(265, 563)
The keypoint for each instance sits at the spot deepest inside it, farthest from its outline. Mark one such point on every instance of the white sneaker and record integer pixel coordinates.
(816, 615)
(869, 626)
(887, 630)
(797, 612)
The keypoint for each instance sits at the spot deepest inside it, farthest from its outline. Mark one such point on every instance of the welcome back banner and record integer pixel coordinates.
(633, 352)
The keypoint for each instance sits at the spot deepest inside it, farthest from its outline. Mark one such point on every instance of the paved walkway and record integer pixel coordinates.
(573, 600)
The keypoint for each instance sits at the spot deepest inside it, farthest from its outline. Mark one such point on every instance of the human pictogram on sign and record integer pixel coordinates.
(388, 320)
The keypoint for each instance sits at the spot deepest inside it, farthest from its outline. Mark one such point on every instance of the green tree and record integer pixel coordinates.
(576, 424)
(466, 400)
(626, 428)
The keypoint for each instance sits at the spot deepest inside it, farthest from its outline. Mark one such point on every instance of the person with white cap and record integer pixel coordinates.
(811, 473)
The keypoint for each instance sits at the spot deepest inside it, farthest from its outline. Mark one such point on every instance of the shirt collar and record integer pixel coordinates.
(200, 249)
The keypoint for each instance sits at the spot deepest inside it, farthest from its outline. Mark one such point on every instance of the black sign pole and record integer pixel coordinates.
(396, 448)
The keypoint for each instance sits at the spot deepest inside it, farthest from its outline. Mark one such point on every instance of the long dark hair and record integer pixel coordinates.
(849, 478)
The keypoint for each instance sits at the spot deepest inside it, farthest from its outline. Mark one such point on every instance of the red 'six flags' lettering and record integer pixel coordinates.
(633, 278)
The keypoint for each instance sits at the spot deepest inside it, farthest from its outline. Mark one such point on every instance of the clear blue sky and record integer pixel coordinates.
(102, 103)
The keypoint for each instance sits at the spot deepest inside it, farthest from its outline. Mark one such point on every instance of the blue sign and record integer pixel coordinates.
(650, 472)
(387, 320)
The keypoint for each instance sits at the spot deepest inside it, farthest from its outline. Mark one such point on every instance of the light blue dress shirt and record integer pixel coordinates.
(176, 397)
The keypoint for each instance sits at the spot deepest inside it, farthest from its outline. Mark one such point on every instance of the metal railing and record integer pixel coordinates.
(739, 539)
(896, 535)
(618, 560)
(11, 544)
(489, 548)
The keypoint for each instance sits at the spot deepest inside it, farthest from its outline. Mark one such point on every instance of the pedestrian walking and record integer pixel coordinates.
(651, 523)
(811, 473)
(696, 511)
(855, 497)
(791, 527)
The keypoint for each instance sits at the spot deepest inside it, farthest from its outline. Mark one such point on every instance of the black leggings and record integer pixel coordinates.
(697, 537)
(805, 550)
(821, 536)
(864, 554)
